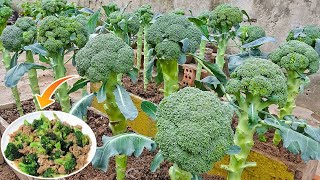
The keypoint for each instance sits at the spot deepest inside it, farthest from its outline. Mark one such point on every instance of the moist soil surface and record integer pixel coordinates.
(137, 169)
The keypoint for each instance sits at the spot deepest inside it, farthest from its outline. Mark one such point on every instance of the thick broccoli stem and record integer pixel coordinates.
(170, 72)
(121, 166)
(201, 55)
(117, 122)
(15, 92)
(139, 48)
(60, 71)
(33, 79)
(145, 59)
(243, 138)
(222, 47)
(293, 86)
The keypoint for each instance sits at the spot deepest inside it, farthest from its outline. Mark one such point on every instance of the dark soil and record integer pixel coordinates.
(137, 169)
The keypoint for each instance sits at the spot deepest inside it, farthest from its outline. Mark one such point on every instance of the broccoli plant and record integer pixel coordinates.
(101, 60)
(51, 7)
(15, 38)
(172, 36)
(298, 59)
(256, 84)
(194, 131)
(308, 34)
(222, 20)
(5, 12)
(145, 15)
(57, 35)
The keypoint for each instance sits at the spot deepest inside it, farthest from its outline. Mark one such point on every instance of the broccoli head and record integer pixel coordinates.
(117, 18)
(224, 17)
(110, 8)
(194, 129)
(145, 14)
(296, 56)
(68, 161)
(260, 78)
(12, 152)
(51, 7)
(166, 34)
(103, 55)
(307, 34)
(59, 33)
(22, 33)
(5, 13)
(248, 34)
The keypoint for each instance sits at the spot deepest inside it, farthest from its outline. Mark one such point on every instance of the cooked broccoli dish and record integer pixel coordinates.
(48, 148)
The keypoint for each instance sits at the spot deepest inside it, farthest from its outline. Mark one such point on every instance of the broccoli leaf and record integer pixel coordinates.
(234, 149)
(159, 75)
(92, 22)
(80, 108)
(14, 75)
(37, 48)
(149, 108)
(125, 103)
(87, 10)
(259, 42)
(101, 94)
(14, 60)
(157, 160)
(133, 74)
(149, 69)
(78, 85)
(216, 71)
(126, 144)
(306, 143)
(201, 25)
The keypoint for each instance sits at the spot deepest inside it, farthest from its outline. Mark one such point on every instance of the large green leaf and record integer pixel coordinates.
(157, 160)
(78, 85)
(259, 42)
(149, 69)
(133, 74)
(93, 21)
(80, 108)
(149, 108)
(298, 138)
(125, 104)
(14, 75)
(14, 60)
(86, 10)
(125, 144)
(201, 25)
(102, 93)
(317, 46)
(37, 48)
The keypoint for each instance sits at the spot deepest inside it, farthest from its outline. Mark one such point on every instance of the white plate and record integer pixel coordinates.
(64, 117)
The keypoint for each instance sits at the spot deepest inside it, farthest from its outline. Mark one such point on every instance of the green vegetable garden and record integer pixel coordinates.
(173, 95)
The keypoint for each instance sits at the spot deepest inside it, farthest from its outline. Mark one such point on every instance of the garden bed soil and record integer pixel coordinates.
(138, 168)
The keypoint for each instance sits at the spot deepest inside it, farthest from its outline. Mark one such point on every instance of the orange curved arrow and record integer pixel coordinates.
(44, 99)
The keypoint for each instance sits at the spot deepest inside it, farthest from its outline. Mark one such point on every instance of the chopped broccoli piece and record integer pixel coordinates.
(68, 162)
(12, 152)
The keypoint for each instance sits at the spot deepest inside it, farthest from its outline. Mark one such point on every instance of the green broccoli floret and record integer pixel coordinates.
(23, 138)
(261, 79)
(224, 17)
(29, 168)
(82, 139)
(30, 158)
(103, 56)
(194, 129)
(5, 12)
(51, 7)
(49, 173)
(68, 162)
(65, 145)
(248, 34)
(59, 33)
(296, 58)
(110, 8)
(12, 152)
(22, 33)
(49, 142)
(221, 20)
(42, 125)
(38, 147)
(31, 9)
(307, 34)
(145, 14)
(120, 22)
(165, 36)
